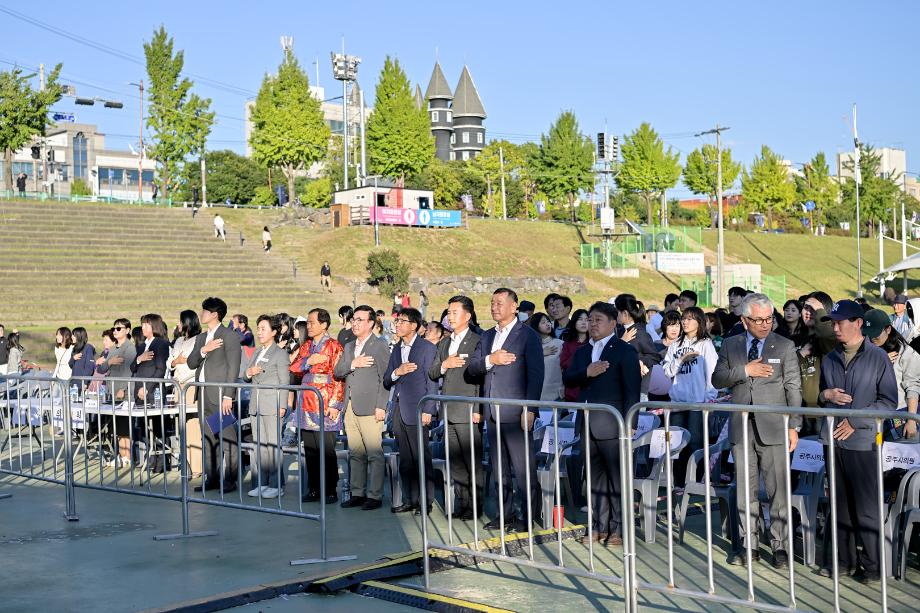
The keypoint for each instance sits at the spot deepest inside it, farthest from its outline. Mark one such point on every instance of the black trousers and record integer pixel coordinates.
(514, 462)
(407, 442)
(604, 456)
(465, 458)
(311, 440)
(214, 466)
(857, 508)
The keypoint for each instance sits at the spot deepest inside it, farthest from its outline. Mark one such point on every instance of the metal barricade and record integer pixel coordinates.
(30, 448)
(223, 450)
(560, 566)
(708, 593)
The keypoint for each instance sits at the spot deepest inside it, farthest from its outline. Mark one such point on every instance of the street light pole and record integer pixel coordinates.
(345, 69)
(720, 257)
(857, 175)
(373, 210)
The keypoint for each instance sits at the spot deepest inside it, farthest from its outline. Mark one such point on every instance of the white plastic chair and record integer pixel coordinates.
(648, 486)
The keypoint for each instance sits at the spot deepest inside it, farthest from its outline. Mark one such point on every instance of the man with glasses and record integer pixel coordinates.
(362, 367)
(761, 367)
(407, 376)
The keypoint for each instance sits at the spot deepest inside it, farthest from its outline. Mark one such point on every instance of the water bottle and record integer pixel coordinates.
(157, 398)
(102, 393)
(74, 393)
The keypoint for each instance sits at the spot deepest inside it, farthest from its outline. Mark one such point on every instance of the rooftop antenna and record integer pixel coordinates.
(287, 43)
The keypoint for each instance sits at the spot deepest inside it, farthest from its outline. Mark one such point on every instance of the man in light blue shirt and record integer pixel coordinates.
(900, 321)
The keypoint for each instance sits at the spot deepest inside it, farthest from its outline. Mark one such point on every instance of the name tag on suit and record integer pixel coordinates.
(774, 361)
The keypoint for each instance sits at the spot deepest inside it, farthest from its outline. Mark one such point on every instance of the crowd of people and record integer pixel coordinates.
(374, 372)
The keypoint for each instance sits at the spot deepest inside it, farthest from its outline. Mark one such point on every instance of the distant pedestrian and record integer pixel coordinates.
(194, 196)
(266, 240)
(21, 183)
(219, 231)
(325, 277)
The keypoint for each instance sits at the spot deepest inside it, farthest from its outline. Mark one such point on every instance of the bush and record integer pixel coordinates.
(387, 272)
(265, 196)
(80, 188)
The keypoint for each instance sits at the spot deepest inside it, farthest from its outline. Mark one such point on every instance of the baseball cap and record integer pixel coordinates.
(844, 309)
(874, 323)
(900, 299)
(526, 306)
(653, 307)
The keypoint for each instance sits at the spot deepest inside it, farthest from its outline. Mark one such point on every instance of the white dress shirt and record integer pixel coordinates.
(501, 335)
(207, 339)
(597, 347)
(404, 350)
(455, 341)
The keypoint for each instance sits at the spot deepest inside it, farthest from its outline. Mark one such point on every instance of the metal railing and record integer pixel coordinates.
(147, 419)
(709, 594)
(560, 566)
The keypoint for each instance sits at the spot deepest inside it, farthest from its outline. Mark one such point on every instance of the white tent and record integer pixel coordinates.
(906, 264)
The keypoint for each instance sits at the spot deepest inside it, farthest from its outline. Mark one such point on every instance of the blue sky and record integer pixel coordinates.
(783, 74)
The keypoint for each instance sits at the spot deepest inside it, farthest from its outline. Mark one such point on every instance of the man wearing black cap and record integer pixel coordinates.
(900, 321)
(856, 375)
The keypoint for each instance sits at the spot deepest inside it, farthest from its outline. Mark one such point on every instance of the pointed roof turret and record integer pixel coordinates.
(466, 99)
(437, 86)
(419, 101)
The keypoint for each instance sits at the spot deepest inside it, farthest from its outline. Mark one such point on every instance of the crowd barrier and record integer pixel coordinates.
(887, 549)
(131, 436)
(555, 451)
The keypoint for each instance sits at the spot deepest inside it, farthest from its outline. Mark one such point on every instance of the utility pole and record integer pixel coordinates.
(345, 69)
(904, 227)
(858, 177)
(501, 161)
(363, 141)
(140, 136)
(720, 257)
(881, 259)
(41, 86)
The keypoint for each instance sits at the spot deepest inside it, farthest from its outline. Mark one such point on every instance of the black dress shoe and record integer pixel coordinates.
(418, 510)
(739, 557)
(370, 504)
(466, 515)
(828, 571)
(865, 577)
(209, 485)
(403, 508)
(310, 497)
(495, 524)
(354, 501)
(780, 559)
(229, 487)
(332, 499)
(459, 512)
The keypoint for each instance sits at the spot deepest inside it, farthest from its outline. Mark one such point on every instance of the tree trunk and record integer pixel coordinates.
(648, 208)
(289, 173)
(572, 206)
(770, 219)
(8, 169)
(713, 215)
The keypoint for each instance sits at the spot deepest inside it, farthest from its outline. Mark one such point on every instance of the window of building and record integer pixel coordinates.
(466, 138)
(453, 155)
(449, 115)
(147, 177)
(434, 116)
(479, 137)
(453, 139)
(79, 156)
(132, 178)
(466, 155)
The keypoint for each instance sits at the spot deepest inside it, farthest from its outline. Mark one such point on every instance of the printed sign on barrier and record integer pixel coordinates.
(808, 456)
(657, 447)
(900, 455)
(416, 217)
(77, 420)
(566, 435)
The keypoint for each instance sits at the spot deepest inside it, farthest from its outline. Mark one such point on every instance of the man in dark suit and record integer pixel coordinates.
(607, 371)
(761, 367)
(407, 376)
(465, 446)
(510, 358)
(363, 366)
(216, 358)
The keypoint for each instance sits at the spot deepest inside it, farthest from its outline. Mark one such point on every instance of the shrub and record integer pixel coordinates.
(80, 188)
(387, 272)
(265, 196)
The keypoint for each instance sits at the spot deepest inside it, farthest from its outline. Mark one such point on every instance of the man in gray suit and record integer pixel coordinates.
(465, 443)
(761, 367)
(216, 359)
(362, 367)
(268, 366)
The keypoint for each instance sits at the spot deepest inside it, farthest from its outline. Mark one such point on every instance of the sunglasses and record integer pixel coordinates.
(119, 328)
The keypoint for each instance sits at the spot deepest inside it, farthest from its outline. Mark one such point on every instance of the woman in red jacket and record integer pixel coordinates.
(574, 336)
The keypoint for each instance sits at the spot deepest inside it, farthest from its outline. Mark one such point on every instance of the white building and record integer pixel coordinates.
(893, 162)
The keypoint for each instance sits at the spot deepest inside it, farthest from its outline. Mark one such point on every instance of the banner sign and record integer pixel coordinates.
(429, 218)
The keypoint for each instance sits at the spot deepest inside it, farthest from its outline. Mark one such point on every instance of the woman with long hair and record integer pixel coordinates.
(189, 328)
(82, 357)
(574, 336)
(791, 324)
(631, 315)
(63, 351)
(14, 359)
(552, 371)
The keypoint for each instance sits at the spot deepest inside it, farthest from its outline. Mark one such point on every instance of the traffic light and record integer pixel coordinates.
(36, 152)
(50, 155)
(601, 148)
(615, 148)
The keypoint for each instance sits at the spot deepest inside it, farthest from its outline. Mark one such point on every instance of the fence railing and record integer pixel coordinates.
(498, 441)
(708, 593)
(132, 437)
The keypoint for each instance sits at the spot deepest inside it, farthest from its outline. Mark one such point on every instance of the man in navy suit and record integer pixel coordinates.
(407, 376)
(607, 371)
(510, 358)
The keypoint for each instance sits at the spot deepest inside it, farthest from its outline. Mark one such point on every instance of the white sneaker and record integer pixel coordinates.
(272, 492)
(254, 493)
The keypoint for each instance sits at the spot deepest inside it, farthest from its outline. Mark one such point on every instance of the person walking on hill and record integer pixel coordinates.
(325, 277)
(21, 184)
(266, 240)
(219, 231)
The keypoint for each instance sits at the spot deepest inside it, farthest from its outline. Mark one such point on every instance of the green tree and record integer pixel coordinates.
(179, 119)
(519, 181)
(316, 194)
(877, 194)
(387, 272)
(229, 175)
(701, 175)
(564, 164)
(23, 113)
(647, 168)
(399, 140)
(816, 184)
(443, 178)
(288, 130)
(766, 187)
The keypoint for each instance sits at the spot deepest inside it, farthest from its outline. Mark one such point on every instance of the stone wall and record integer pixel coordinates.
(484, 285)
